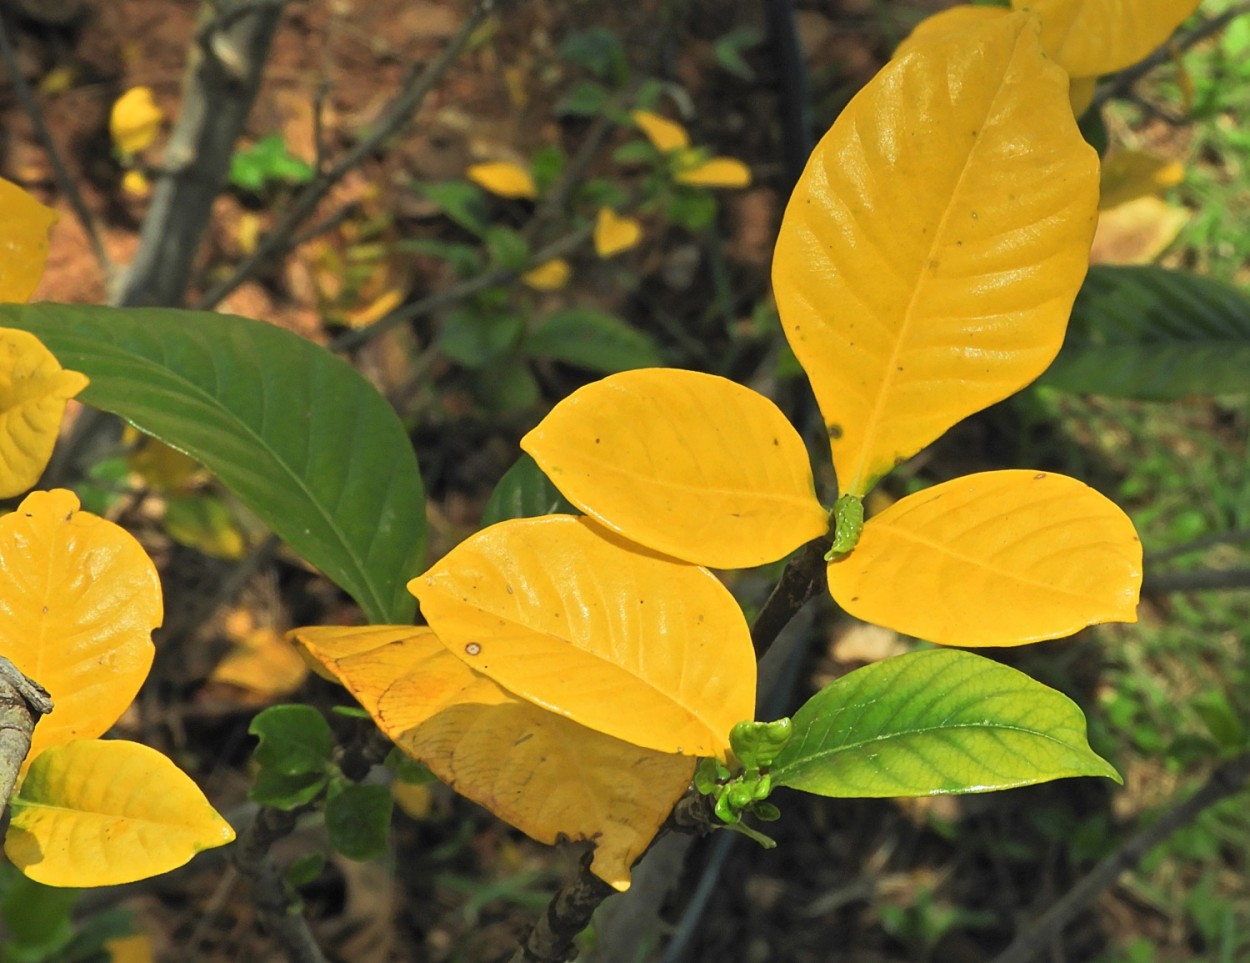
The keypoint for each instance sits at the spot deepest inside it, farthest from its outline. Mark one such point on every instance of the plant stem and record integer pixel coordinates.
(1203, 580)
(802, 580)
(1226, 780)
(22, 702)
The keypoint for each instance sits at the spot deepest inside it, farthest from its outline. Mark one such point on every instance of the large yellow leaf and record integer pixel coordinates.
(956, 19)
(549, 777)
(933, 247)
(689, 464)
(24, 225)
(33, 391)
(998, 558)
(1089, 38)
(100, 813)
(80, 601)
(556, 610)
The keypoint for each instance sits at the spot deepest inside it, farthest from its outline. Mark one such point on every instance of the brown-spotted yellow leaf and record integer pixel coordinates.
(1088, 38)
(689, 464)
(135, 121)
(33, 391)
(80, 601)
(544, 774)
(997, 558)
(562, 613)
(103, 812)
(504, 179)
(24, 226)
(932, 249)
(665, 135)
(614, 233)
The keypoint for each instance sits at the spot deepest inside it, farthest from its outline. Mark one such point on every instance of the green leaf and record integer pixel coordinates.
(474, 337)
(692, 208)
(599, 50)
(304, 869)
(286, 792)
(635, 152)
(592, 339)
(525, 492)
(463, 203)
(503, 385)
(297, 434)
(728, 50)
(294, 740)
(36, 917)
(933, 722)
(584, 99)
(507, 248)
(358, 820)
(547, 165)
(1155, 335)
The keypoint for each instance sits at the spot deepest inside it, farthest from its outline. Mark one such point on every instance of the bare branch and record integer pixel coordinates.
(1203, 580)
(22, 702)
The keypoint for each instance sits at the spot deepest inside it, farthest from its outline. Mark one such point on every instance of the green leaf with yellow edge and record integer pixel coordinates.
(1088, 38)
(100, 813)
(24, 226)
(688, 464)
(997, 558)
(934, 722)
(933, 246)
(81, 599)
(544, 774)
(563, 614)
(33, 391)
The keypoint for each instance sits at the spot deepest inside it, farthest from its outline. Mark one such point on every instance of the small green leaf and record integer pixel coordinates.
(525, 492)
(286, 792)
(304, 869)
(635, 152)
(475, 337)
(584, 99)
(757, 744)
(691, 208)
(547, 165)
(37, 921)
(503, 385)
(728, 50)
(507, 248)
(463, 203)
(295, 740)
(358, 819)
(932, 722)
(600, 51)
(592, 339)
(848, 523)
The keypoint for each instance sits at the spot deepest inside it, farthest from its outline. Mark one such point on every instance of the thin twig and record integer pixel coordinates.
(802, 580)
(1203, 580)
(397, 114)
(1121, 83)
(1226, 780)
(64, 180)
(1234, 537)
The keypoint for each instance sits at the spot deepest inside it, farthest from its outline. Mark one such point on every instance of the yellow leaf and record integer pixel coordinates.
(932, 249)
(101, 813)
(165, 469)
(717, 172)
(549, 276)
(1137, 232)
(58, 80)
(614, 234)
(24, 226)
(665, 135)
(998, 558)
(264, 664)
(33, 391)
(1081, 92)
(1130, 174)
(546, 775)
(953, 20)
(81, 599)
(378, 308)
(688, 464)
(503, 178)
(135, 121)
(415, 801)
(135, 948)
(1089, 38)
(136, 184)
(643, 648)
(204, 522)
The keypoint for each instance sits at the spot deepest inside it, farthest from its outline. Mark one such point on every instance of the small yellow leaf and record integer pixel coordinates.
(204, 522)
(415, 801)
(643, 648)
(24, 226)
(58, 80)
(1089, 38)
(997, 558)
(549, 276)
(614, 233)
(504, 179)
(1137, 232)
(162, 468)
(81, 599)
(136, 184)
(1130, 174)
(135, 121)
(546, 775)
(932, 248)
(717, 172)
(33, 391)
(101, 813)
(135, 948)
(665, 135)
(377, 309)
(688, 464)
(1081, 92)
(264, 664)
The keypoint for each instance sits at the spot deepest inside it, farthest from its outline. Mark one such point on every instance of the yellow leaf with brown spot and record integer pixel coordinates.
(102, 813)
(614, 233)
(665, 135)
(33, 391)
(932, 249)
(24, 226)
(504, 179)
(135, 121)
(544, 774)
(549, 276)
(997, 558)
(635, 645)
(81, 599)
